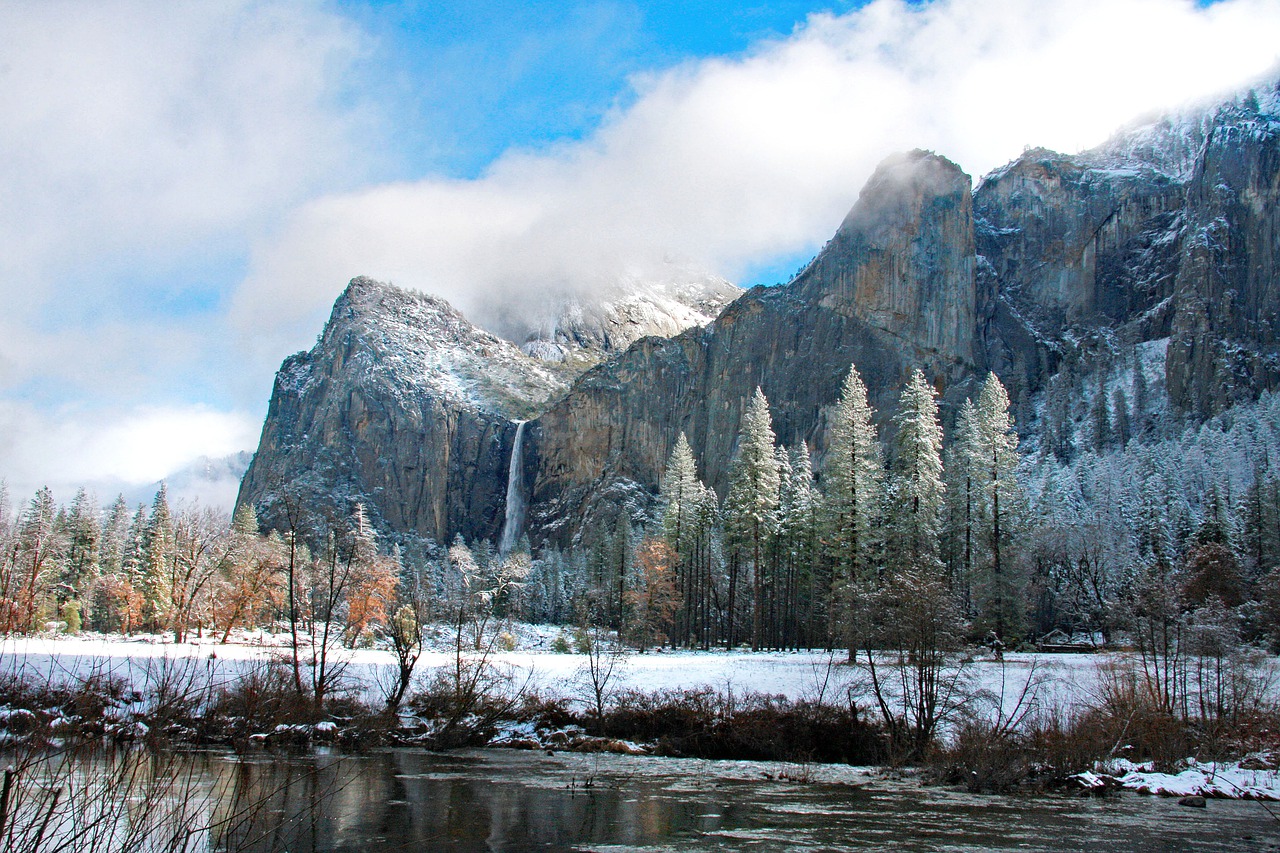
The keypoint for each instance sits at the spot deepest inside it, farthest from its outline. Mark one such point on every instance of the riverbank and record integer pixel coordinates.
(802, 708)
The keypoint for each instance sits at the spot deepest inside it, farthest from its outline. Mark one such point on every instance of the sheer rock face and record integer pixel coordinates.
(402, 405)
(1169, 230)
(893, 290)
(405, 406)
(1225, 343)
(1167, 233)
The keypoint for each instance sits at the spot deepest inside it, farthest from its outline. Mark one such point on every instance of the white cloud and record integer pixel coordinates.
(77, 446)
(143, 143)
(143, 126)
(730, 162)
(138, 137)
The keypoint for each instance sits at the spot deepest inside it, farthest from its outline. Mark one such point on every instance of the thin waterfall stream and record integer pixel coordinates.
(513, 524)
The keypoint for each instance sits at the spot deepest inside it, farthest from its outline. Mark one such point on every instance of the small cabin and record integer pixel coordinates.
(1060, 641)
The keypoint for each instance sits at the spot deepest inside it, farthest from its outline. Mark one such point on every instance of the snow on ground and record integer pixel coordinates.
(1253, 778)
(1060, 680)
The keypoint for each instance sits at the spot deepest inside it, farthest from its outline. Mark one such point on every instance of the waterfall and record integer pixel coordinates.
(514, 522)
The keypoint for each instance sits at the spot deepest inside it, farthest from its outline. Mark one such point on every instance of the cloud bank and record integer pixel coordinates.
(188, 186)
(141, 146)
(731, 163)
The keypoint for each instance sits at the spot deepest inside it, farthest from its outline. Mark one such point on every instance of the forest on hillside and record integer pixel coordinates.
(1015, 546)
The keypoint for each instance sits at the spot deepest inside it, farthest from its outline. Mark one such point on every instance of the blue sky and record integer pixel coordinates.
(189, 186)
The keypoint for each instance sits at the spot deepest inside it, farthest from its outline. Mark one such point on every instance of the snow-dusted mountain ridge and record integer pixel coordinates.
(1146, 269)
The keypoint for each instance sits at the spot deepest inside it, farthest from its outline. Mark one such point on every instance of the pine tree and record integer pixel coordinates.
(1100, 417)
(708, 575)
(115, 532)
(81, 567)
(156, 584)
(1139, 422)
(852, 486)
(963, 459)
(679, 492)
(133, 562)
(995, 474)
(1120, 423)
(1260, 522)
(917, 488)
(751, 505)
(799, 536)
(910, 611)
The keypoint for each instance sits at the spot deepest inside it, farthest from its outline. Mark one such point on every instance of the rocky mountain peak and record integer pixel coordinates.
(585, 331)
(902, 260)
(422, 344)
(1057, 269)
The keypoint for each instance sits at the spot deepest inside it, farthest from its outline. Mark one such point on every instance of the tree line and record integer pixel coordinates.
(1011, 544)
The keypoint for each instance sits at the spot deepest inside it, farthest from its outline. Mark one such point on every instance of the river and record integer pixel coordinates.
(501, 800)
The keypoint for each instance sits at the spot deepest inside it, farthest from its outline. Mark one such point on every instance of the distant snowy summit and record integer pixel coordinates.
(587, 330)
(409, 408)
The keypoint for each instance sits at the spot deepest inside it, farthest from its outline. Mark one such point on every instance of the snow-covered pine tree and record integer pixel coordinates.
(678, 494)
(853, 494)
(962, 457)
(157, 558)
(915, 496)
(999, 585)
(708, 586)
(800, 537)
(751, 506)
(677, 491)
(1100, 419)
(1259, 521)
(81, 566)
(1121, 426)
(132, 571)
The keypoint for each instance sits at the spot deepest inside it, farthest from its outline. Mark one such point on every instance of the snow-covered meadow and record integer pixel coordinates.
(1055, 683)
(1057, 679)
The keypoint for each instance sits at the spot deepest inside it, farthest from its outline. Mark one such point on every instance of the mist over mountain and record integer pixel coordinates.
(1069, 276)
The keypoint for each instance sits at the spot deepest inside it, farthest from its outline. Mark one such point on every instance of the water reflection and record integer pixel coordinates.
(510, 801)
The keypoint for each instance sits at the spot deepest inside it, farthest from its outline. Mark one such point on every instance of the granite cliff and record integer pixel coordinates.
(1164, 240)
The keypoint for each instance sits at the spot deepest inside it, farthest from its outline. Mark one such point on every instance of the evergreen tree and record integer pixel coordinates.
(963, 459)
(1100, 418)
(115, 533)
(156, 585)
(679, 493)
(995, 475)
(82, 564)
(1121, 427)
(852, 486)
(1139, 422)
(1260, 522)
(751, 505)
(800, 538)
(709, 623)
(917, 487)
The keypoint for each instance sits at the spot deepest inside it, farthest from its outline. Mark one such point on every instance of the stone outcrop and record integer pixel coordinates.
(893, 290)
(409, 409)
(1225, 342)
(402, 405)
(1165, 237)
